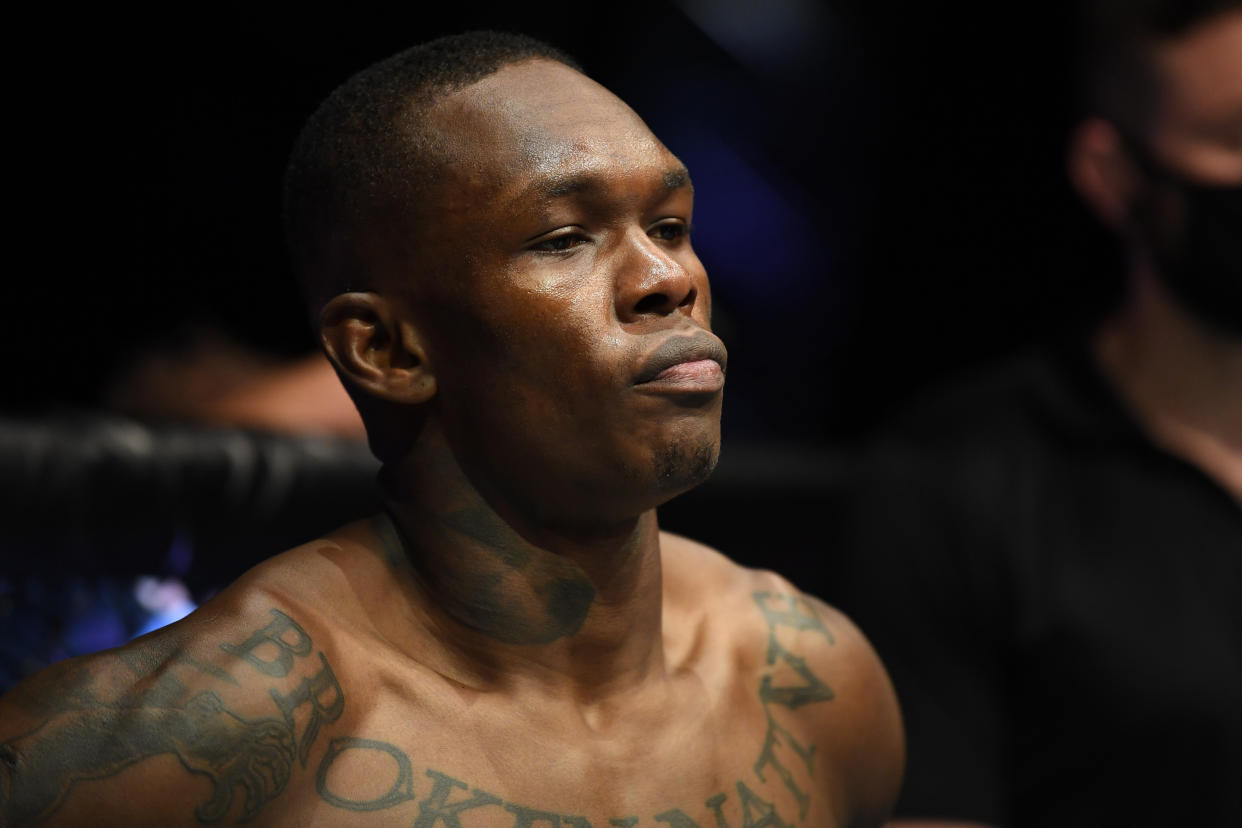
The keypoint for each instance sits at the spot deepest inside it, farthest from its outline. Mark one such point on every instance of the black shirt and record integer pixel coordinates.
(1058, 602)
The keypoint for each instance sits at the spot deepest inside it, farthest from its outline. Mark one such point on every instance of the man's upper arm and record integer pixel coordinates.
(867, 732)
(195, 723)
(822, 670)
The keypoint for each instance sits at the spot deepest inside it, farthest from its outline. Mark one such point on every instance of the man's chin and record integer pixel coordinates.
(682, 466)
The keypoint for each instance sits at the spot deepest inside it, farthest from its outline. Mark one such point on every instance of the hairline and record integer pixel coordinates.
(338, 207)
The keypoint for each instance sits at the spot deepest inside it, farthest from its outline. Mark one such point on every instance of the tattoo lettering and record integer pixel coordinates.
(527, 817)
(275, 635)
(436, 809)
(790, 612)
(676, 818)
(758, 812)
(322, 692)
(402, 789)
(797, 614)
(284, 641)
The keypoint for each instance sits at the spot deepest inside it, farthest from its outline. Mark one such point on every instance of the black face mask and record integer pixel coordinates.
(1199, 256)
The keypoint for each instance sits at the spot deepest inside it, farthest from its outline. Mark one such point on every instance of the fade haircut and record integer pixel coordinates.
(366, 160)
(1117, 75)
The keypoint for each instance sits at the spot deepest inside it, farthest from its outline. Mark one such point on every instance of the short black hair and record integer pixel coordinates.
(1116, 38)
(365, 157)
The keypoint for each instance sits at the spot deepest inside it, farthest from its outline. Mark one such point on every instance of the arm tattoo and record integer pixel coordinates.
(84, 737)
(796, 613)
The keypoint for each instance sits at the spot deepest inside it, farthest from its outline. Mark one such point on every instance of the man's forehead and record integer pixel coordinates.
(550, 123)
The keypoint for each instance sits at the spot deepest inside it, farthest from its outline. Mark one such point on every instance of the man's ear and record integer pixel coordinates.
(376, 350)
(1101, 172)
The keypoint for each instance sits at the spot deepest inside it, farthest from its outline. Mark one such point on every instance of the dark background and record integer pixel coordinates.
(881, 197)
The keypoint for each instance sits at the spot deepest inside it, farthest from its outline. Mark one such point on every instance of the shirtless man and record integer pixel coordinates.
(497, 250)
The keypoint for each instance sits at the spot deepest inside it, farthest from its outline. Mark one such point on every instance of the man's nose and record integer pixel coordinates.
(651, 282)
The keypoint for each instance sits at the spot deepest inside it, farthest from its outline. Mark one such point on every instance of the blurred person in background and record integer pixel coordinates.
(209, 378)
(1048, 557)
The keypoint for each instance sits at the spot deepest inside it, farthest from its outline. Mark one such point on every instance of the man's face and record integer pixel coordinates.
(1196, 125)
(566, 315)
(1186, 215)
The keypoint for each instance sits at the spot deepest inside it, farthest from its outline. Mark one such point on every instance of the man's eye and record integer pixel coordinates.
(558, 244)
(670, 231)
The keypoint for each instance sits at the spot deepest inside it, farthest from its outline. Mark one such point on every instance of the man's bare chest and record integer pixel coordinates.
(731, 773)
(723, 750)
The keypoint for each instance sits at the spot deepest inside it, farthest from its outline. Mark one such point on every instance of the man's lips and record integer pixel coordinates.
(696, 371)
(685, 363)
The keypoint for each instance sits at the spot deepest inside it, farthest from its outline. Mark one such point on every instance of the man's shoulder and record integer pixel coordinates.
(708, 594)
(237, 693)
(811, 670)
(267, 597)
(703, 584)
(333, 572)
(699, 574)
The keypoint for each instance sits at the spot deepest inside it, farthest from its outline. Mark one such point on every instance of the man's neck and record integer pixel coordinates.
(577, 611)
(1182, 379)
